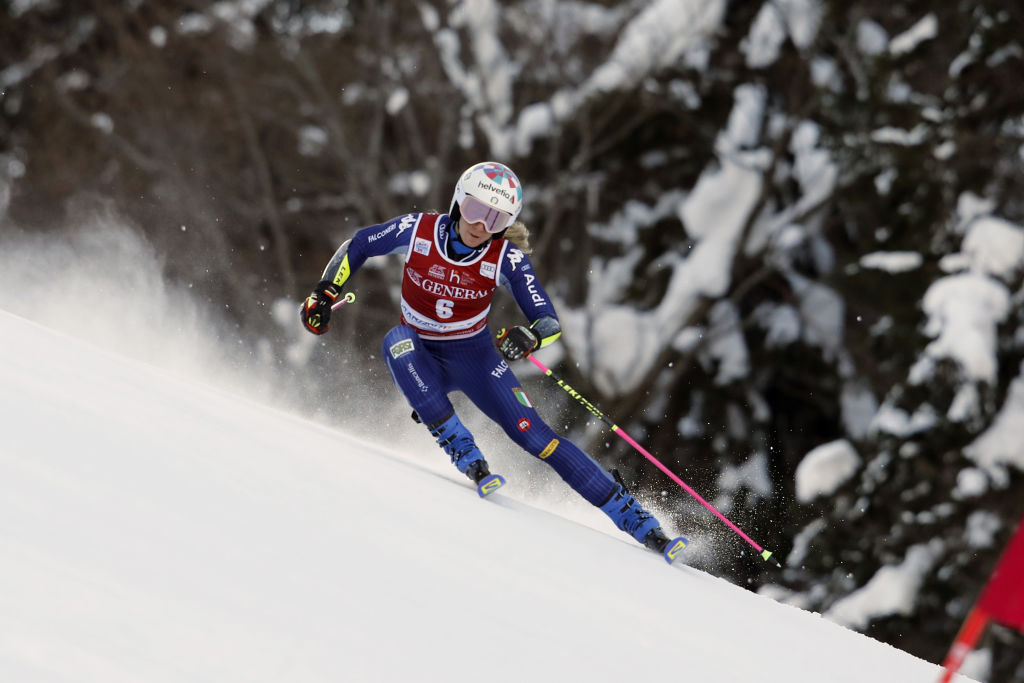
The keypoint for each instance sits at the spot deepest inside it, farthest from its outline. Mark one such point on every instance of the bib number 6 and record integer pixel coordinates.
(444, 308)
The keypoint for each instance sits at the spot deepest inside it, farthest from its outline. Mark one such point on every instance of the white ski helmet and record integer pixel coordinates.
(497, 187)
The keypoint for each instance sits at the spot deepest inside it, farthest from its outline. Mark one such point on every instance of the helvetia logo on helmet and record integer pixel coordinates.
(491, 187)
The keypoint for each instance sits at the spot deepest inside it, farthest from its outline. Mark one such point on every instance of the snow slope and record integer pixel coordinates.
(155, 528)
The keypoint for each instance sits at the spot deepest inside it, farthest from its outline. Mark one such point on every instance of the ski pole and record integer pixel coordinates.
(766, 555)
(347, 299)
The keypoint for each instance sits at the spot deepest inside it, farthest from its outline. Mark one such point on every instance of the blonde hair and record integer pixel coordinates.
(519, 235)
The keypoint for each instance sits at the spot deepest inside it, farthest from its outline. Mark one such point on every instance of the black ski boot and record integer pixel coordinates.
(486, 483)
(656, 540)
(477, 470)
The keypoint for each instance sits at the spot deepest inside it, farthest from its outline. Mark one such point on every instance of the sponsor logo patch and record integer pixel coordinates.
(488, 269)
(415, 375)
(515, 257)
(532, 289)
(376, 236)
(524, 424)
(436, 271)
(497, 189)
(549, 449)
(421, 246)
(401, 348)
(452, 291)
(407, 222)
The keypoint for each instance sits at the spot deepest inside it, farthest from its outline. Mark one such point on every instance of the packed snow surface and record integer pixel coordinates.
(156, 528)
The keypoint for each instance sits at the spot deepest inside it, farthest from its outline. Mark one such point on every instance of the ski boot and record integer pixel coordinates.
(669, 548)
(486, 483)
(656, 540)
(455, 440)
(641, 524)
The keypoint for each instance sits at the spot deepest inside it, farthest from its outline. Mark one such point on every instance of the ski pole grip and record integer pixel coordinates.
(349, 298)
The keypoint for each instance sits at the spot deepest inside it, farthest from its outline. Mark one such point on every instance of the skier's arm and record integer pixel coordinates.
(518, 276)
(392, 237)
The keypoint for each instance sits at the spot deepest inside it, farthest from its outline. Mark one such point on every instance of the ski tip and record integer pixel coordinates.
(674, 549)
(490, 484)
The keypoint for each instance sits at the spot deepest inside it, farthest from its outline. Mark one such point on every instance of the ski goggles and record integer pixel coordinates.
(475, 211)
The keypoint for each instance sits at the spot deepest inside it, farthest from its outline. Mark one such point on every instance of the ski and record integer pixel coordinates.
(674, 549)
(489, 484)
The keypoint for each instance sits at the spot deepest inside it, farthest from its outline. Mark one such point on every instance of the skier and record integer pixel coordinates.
(453, 265)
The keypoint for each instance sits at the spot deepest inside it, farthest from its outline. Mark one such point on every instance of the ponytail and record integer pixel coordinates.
(519, 235)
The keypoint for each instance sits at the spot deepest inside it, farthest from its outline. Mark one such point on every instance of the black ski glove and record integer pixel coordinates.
(517, 342)
(316, 309)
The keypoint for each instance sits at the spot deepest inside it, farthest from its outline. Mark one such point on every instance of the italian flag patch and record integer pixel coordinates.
(521, 396)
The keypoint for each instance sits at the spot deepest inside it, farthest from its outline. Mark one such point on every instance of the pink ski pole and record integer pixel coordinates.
(766, 555)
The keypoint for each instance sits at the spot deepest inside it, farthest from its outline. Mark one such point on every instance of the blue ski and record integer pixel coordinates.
(674, 550)
(489, 484)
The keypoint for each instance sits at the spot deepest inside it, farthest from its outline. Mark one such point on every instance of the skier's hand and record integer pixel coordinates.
(316, 309)
(517, 342)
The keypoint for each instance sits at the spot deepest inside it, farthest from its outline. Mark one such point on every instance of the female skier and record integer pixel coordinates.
(453, 265)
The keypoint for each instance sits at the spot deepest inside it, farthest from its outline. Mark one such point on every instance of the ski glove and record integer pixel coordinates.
(316, 309)
(517, 342)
